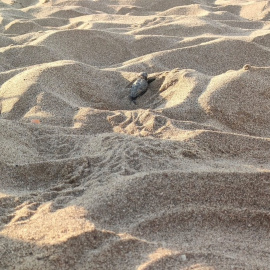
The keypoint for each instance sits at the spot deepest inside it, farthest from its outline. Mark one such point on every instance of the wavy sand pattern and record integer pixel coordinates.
(91, 181)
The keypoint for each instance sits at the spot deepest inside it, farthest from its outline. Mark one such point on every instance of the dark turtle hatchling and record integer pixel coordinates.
(139, 87)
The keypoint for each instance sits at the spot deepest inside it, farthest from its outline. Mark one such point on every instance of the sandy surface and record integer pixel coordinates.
(89, 180)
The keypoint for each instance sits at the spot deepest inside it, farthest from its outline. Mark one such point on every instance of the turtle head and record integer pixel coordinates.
(143, 75)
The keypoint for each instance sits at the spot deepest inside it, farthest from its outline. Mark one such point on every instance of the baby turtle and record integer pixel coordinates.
(139, 87)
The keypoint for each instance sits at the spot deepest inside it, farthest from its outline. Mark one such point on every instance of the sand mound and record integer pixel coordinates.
(10, 14)
(256, 11)
(239, 99)
(27, 55)
(90, 180)
(184, 27)
(64, 86)
(213, 57)
(15, 146)
(51, 22)
(5, 41)
(190, 10)
(21, 27)
(161, 5)
(103, 48)
(262, 39)
(99, 7)
(143, 44)
(53, 11)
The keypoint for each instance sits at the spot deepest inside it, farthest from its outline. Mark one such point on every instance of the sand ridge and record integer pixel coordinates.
(88, 180)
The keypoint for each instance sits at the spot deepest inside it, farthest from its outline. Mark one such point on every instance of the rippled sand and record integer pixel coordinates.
(89, 180)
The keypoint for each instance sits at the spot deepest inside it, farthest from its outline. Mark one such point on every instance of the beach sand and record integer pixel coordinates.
(89, 180)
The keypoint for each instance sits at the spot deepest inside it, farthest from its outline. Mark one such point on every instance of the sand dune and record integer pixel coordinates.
(246, 95)
(75, 43)
(218, 61)
(89, 180)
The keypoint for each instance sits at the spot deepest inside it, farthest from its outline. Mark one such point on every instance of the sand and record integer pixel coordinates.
(89, 180)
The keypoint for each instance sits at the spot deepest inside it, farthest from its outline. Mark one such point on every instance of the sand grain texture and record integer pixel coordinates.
(89, 180)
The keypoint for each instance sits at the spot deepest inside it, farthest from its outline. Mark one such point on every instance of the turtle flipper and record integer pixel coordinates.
(150, 80)
(132, 100)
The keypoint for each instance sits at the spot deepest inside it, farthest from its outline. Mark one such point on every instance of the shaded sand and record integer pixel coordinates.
(178, 181)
